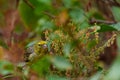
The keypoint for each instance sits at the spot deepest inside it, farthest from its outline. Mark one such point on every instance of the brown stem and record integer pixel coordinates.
(48, 14)
(92, 21)
(29, 4)
(17, 3)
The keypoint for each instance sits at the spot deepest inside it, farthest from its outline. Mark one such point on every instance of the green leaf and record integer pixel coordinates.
(44, 24)
(116, 26)
(41, 66)
(97, 15)
(6, 67)
(114, 73)
(47, 2)
(97, 76)
(77, 15)
(82, 25)
(43, 6)
(31, 44)
(56, 77)
(67, 49)
(105, 28)
(28, 16)
(61, 63)
(67, 3)
(116, 13)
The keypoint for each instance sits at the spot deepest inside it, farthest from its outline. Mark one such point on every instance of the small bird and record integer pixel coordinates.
(36, 51)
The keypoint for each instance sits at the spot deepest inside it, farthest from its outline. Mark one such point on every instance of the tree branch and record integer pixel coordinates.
(92, 21)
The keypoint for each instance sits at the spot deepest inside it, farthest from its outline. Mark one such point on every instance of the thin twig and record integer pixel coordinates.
(92, 21)
(29, 4)
(44, 12)
(17, 3)
(48, 14)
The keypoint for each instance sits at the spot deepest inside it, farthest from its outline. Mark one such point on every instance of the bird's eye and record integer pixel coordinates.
(39, 45)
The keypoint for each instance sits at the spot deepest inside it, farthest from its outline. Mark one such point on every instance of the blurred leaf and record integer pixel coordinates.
(97, 76)
(40, 10)
(44, 25)
(116, 26)
(77, 15)
(41, 66)
(47, 2)
(82, 25)
(31, 43)
(105, 28)
(28, 16)
(6, 67)
(116, 13)
(43, 6)
(113, 27)
(61, 63)
(49, 45)
(97, 15)
(67, 3)
(67, 49)
(114, 73)
(55, 77)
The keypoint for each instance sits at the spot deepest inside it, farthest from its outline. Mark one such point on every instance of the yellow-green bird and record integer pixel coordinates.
(36, 51)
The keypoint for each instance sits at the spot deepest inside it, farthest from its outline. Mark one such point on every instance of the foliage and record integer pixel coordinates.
(74, 45)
